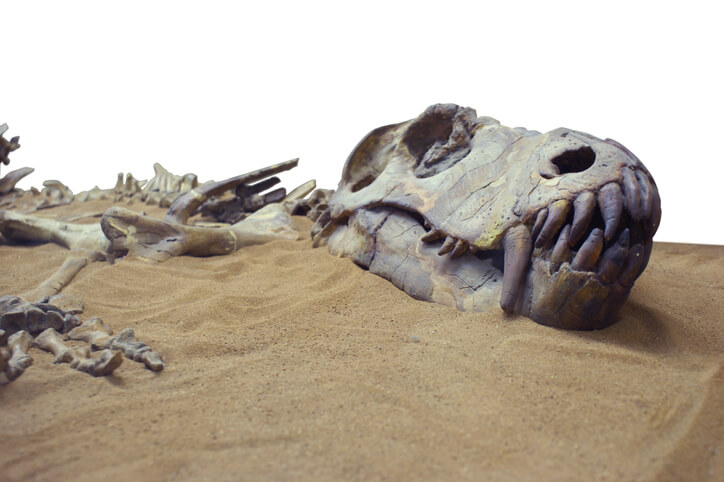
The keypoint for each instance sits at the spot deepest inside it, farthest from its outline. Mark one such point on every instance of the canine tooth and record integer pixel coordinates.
(431, 236)
(614, 258)
(517, 245)
(633, 262)
(561, 250)
(583, 208)
(587, 256)
(610, 201)
(460, 248)
(557, 215)
(647, 193)
(655, 215)
(447, 246)
(539, 220)
(631, 195)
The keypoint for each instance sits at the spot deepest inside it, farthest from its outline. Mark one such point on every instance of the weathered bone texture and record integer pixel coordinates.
(7, 146)
(99, 335)
(458, 209)
(78, 358)
(16, 358)
(312, 206)
(16, 315)
(153, 240)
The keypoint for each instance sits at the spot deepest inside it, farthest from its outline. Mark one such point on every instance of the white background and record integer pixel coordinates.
(221, 88)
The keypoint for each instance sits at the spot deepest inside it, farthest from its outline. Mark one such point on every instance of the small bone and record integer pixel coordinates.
(78, 358)
(8, 182)
(300, 192)
(98, 334)
(19, 344)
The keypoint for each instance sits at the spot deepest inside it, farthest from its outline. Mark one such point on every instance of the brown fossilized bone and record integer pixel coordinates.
(458, 209)
(78, 358)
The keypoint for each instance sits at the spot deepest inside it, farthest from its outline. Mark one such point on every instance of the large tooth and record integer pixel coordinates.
(587, 256)
(655, 215)
(461, 248)
(431, 236)
(633, 263)
(447, 246)
(561, 251)
(610, 200)
(647, 193)
(631, 195)
(614, 258)
(517, 245)
(583, 208)
(539, 220)
(557, 214)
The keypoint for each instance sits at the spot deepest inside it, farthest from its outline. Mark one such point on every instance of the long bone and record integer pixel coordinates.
(78, 358)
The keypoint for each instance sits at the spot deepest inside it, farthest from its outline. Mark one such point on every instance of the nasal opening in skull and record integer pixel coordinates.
(574, 161)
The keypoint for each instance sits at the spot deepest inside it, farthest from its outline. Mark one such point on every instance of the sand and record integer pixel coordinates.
(286, 363)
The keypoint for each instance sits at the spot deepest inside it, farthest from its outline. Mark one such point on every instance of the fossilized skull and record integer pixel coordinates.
(458, 209)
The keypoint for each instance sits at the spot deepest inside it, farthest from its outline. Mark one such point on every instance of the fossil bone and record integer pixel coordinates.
(99, 335)
(458, 209)
(18, 344)
(78, 358)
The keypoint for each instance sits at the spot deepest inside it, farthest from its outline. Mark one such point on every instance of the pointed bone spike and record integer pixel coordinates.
(610, 200)
(517, 245)
(583, 208)
(557, 214)
(614, 259)
(647, 193)
(539, 220)
(301, 191)
(631, 195)
(447, 246)
(8, 182)
(561, 251)
(431, 236)
(587, 256)
(461, 247)
(19, 343)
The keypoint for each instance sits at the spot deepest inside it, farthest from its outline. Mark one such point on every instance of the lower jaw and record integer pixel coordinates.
(569, 299)
(387, 242)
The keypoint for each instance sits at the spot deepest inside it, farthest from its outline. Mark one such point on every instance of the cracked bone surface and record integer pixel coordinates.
(78, 358)
(461, 210)
(99, 335)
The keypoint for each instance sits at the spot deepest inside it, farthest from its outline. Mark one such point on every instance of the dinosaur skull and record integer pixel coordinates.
(458, 209)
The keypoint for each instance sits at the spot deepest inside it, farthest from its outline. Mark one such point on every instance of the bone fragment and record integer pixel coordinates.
(8, 182)
(78, 358)
(99, 335)
(19, 345)
(557, 214)
(517, 245)
(186, 204)
(583, 208)
(610, 201)
(301, 191)
(587, 256)
(16, 314)
(6, 147)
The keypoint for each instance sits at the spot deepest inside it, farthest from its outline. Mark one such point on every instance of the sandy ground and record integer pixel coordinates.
(286, 363)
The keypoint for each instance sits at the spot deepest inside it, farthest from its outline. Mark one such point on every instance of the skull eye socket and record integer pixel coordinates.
(574, 161)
